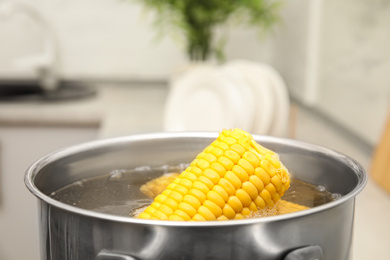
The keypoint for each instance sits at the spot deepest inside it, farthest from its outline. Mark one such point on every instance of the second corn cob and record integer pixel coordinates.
(231, 178)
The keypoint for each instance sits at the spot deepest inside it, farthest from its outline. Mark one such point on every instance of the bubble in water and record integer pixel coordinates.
(116, 175)
(336, 196)
(80, 183)
(261, 213)
(321, 188)
(165, 168)
(135, 212)
(143, 168)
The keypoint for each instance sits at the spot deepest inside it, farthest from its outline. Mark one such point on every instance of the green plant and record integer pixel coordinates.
(197, 21)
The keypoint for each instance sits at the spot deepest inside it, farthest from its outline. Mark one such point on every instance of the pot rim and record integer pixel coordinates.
(33, 170)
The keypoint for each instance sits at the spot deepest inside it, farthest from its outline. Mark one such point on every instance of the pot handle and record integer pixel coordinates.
(108, 255)
(313, 252)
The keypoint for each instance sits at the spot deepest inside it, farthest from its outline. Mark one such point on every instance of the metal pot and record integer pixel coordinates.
(67, 232)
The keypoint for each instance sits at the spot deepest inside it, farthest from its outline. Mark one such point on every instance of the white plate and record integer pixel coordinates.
(247, 108)
(279, 126)
(203, 99)
(262, 93)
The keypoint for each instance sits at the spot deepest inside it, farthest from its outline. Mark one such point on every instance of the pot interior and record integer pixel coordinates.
(306, 162)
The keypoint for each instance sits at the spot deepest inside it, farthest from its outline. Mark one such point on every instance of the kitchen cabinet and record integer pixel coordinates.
(20, 146)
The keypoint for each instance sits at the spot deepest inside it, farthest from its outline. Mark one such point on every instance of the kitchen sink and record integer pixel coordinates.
(25, 90)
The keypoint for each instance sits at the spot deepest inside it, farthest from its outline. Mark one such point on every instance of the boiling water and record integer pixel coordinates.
(119, 192)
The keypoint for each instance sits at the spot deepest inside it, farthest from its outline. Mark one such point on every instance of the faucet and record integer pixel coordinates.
(47, 63)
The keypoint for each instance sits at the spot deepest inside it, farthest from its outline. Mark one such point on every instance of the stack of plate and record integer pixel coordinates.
(248, 95)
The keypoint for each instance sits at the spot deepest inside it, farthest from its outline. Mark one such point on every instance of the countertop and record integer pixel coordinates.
(111, 110)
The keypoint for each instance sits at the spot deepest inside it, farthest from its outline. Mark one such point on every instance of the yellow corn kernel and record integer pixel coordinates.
(180, 189)
(206, 181)
(175, 218)
(200, 186)
(247, 166)
(228, 211)
(271, 189)
(266, 196)
(198, 217)
(250, 189)
(216, 198)
(195, 170)
(160, 198)
(229, 179)
(206, 213)
(145, 215)
(176, 196)
(159, 215)
(238, 148)
(192, 200)
(229, 140)
(232, 156)
(190, 176)
(221, 192)
(202, 164)
(217, 152)
(235, 203)
(259, 201)
(237, 134)
(185, 183)
(200, 155)
(260, 149)
(155, 204)
(222, 145)
(233, 179)
(200, 195)
(244, 197)
(214, 208)
(276, 182)
(244, 142)
(218, 168)
(227, 186)
(263, 175)
(240, 173)
(251, 158)
(273, 159)
(165, 209)
(187, 208)
(276, 197)
(212, 175)
(226, 162)
(171, 186)
(239, 216)
(256, 182)
(253, 207)
(246, 211)
(149, 210)
(210, 157)
(222, 217)
(207, 149)
(166, 192)
(182, 214)
(268, 167)
(171, 203)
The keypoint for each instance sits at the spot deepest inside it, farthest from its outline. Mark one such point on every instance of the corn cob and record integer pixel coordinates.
(231, 178)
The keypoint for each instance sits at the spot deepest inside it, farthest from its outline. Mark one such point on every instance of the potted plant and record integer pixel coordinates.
(198, 21)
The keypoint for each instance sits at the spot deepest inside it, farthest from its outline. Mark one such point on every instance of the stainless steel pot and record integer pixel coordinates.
(67, 232)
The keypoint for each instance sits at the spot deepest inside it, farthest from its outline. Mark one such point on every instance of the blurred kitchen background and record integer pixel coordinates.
(333, 56)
